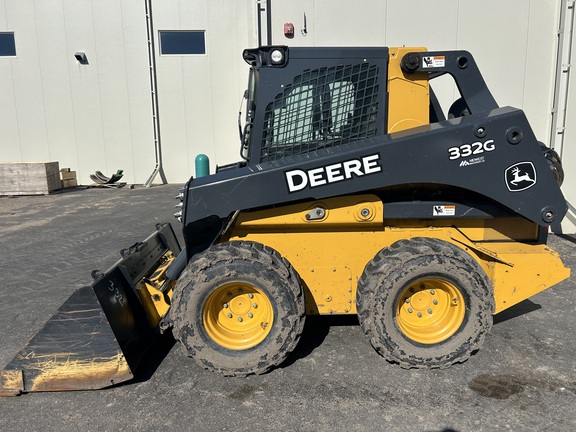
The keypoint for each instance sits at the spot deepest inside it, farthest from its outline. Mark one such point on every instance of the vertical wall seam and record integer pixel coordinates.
(210, 67)
(154, 100)
(74, 129)
(184, 99)
(128, 93)
(527, 39)
(47, 135)
(99, 89)
(16, 109)
(13, 73)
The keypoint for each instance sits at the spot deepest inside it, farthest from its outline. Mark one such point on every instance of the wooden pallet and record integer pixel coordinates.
(29, 178)
(68, 178)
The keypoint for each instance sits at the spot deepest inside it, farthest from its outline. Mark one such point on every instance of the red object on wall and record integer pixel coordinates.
(289, 30)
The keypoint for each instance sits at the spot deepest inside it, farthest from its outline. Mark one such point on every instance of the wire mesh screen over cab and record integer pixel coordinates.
(322, 97)
(322, 108)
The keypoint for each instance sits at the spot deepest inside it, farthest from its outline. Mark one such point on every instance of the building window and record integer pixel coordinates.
(7, 44)
(182, 42)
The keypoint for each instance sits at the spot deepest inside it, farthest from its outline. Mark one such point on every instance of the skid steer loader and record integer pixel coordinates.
(357, 193)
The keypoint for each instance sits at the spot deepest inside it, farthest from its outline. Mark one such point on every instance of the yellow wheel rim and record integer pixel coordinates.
(237, 316)
(430, 310)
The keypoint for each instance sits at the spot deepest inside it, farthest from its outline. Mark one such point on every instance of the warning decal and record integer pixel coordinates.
(433, 61)
(444, 210)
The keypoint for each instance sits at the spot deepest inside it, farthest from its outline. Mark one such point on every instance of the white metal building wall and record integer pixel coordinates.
(87, 117)
(513, 42)
(99, 116)
(200, 95)
(564, 132)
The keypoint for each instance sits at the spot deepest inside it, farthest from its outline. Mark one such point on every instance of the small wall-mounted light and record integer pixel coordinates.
(81, 57)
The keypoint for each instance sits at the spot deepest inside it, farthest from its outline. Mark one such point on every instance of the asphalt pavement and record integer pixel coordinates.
(522, 379)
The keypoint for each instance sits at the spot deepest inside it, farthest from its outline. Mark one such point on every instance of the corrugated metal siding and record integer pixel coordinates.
(514, 41)
(87, 117)
(99, 116)
(568, 148)
(200, 95)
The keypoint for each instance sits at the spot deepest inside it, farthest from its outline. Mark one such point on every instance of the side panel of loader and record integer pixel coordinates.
(329, 243)
(418, 156)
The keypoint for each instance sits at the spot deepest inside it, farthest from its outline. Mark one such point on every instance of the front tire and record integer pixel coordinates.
(425, 303)
(238, 308)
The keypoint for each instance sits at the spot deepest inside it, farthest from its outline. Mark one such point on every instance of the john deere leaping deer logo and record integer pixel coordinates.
(520, 176)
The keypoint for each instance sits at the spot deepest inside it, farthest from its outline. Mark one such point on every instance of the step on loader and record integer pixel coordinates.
(362, 190)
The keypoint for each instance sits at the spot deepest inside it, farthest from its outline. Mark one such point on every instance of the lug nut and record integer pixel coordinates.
(250, 315)
(229, 315)
(432, 292)
(255, 305)
(225, 305)
(250, 295)
(435, 301)
(409, 310)
(430, 311)
(240, 319)
(419, 314)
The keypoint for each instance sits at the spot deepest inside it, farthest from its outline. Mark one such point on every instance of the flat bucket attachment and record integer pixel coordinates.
(100, 334)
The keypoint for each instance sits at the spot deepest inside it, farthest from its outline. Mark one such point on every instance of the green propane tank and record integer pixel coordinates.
(202, 164)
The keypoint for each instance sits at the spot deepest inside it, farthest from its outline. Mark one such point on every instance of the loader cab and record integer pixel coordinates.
(303, 99)
(300, 100)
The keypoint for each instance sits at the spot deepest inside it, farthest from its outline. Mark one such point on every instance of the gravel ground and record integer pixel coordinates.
(523, 378)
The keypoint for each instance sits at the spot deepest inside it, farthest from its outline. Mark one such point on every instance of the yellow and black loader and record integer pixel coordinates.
(358, 192)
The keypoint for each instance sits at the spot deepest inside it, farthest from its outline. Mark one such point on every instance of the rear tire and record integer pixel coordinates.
(238, 308)
(424, 303)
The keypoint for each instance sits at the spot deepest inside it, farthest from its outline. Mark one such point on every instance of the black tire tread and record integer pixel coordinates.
(393, 259)
(227, 253)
